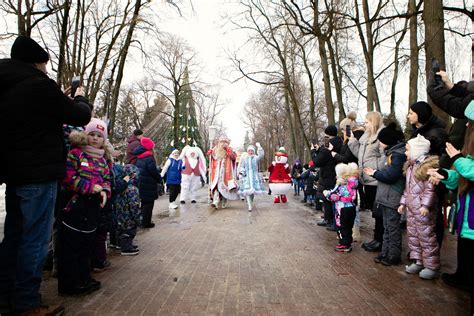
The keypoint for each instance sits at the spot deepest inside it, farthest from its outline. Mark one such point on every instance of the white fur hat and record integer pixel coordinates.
(419, 146)
(252, 147)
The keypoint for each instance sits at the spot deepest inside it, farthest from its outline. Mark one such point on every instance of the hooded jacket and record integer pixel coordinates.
(463, 166)
(33, 110)
(391, 182)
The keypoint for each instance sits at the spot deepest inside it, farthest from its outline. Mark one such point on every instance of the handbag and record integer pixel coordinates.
(452, 218)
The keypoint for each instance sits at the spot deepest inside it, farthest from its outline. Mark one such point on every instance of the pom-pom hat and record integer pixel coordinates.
(390, 135)
(96, 125)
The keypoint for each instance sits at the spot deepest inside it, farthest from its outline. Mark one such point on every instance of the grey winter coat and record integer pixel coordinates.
(391, 182)
(369, 155)
(421, 229)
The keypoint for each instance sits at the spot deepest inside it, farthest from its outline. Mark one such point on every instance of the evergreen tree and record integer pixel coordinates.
(187, 131)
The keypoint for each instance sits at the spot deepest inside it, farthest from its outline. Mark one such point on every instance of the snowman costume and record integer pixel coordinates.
(280, 181)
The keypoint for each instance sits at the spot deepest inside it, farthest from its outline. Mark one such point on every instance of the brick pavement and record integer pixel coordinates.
(274, 262)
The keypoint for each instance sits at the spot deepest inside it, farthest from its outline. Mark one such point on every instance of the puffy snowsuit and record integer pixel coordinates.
(420, 193)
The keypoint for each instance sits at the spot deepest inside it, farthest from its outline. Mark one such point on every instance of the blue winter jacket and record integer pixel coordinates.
(391, 181)
(173, 174)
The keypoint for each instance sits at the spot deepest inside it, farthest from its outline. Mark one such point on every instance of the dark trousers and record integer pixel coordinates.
(361, 195)
(344, 231)
(24, 247)
(100, 248)
(392, 235)
(466, 265)
(379, 229)
(126, 237)
(75, 250)
(328, 211)
(174, 189)
(147, 211)
(370, 191)
(439, 228)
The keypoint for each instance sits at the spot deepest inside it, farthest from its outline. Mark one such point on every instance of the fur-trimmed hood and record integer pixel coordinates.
(422, 165)
(78, 139)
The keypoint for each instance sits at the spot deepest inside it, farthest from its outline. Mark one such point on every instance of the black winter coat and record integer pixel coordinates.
(435, 131)
(452, 101)
(33, 110)
(326, 163)
(148, 178)
(345, 155)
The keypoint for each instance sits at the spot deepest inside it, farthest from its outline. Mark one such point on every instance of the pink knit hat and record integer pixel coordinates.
(147, 143)
(96, 125)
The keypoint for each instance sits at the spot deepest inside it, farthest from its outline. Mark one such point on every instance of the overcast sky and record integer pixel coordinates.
(211, 37)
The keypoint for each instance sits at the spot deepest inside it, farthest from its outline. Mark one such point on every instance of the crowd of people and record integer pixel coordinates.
(59, 167)
(413, 180)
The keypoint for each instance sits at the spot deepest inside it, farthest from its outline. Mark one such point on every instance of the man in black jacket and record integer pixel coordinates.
(322, 159)
(33, 110)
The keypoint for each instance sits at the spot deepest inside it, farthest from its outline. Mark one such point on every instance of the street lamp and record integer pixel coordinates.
(212, 135)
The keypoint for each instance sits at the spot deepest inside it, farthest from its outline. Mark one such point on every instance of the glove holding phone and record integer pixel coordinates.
(75, 83)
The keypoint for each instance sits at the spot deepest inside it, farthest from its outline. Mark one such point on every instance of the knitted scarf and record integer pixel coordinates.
(93, 152)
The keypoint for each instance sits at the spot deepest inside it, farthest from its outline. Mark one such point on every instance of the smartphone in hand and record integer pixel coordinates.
(75, 83)
(348, 131)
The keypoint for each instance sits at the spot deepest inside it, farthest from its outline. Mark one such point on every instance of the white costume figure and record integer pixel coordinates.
(250, 182)
(194, 169)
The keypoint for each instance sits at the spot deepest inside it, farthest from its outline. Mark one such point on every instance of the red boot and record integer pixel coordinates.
(277, 199)
(283, 198)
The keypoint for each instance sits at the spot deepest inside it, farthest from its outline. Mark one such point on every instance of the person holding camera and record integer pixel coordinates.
(347, 126)
(323, 159)
(33, 110)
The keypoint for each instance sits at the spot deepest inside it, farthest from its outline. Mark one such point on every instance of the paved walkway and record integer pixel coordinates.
(274, 262)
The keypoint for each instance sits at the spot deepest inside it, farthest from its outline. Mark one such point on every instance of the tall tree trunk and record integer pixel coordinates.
(373, 102)
(290, 120)
(414, 51)
(336, 79)
(396, 63)
(123, 57)
(433, 18)
(324, 65)
(62, 44)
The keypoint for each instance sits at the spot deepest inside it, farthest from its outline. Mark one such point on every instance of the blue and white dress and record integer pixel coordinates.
(250, 181)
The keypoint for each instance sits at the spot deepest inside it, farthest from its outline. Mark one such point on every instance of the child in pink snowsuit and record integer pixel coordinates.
(419, 198)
